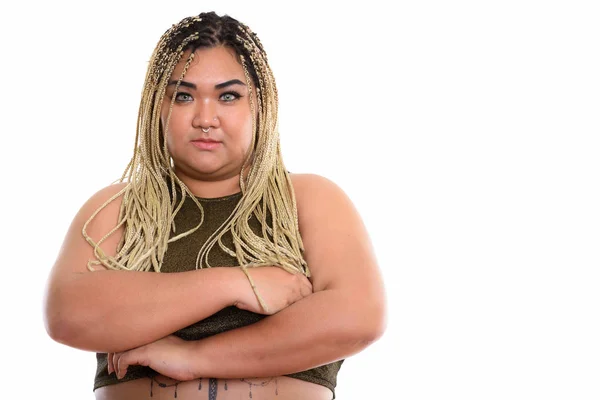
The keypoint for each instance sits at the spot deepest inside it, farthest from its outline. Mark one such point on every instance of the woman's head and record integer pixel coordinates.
(214, 50)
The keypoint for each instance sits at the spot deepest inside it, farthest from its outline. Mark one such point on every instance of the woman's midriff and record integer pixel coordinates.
(160, 387)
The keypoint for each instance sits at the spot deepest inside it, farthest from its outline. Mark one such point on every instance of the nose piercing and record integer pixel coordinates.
(205, 130)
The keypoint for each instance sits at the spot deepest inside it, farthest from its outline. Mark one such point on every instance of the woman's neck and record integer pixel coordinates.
(212, 188)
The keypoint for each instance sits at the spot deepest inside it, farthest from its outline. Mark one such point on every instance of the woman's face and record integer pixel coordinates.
(210, 129)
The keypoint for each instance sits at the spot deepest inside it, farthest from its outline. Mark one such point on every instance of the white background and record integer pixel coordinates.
(465, 132)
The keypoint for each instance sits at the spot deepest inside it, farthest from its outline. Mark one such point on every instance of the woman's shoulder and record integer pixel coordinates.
(306, 183)
(104, 204)
(106, 195)
(318, 195)
(110, 190)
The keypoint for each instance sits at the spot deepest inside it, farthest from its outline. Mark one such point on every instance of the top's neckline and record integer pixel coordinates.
(222, 198)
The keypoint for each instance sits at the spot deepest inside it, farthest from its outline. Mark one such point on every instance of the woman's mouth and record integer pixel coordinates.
(206, 144)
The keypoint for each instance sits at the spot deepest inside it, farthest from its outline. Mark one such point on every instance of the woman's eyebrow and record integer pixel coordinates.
(217, 86)
(229, 83)
(183, 83)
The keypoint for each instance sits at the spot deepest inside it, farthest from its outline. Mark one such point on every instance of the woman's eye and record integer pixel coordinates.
(183, 97)
(230, 96)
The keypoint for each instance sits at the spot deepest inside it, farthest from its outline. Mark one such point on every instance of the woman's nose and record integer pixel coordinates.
(205, 115)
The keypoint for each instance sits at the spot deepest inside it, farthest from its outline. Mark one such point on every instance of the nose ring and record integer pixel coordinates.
(205, 130)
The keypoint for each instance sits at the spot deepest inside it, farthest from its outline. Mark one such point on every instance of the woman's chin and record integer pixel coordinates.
(208, 171)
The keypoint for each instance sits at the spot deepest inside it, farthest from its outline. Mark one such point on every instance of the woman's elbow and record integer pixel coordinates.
(60, 320)
(59, 329)
(376, 324)
(369, 326)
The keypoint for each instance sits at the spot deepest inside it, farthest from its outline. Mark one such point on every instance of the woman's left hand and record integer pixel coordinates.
(169, 356)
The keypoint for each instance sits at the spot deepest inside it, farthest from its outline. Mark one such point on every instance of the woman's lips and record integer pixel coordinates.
(206, 144)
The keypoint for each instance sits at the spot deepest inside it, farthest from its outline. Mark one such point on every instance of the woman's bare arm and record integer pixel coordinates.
(345, 313)
(111, 311)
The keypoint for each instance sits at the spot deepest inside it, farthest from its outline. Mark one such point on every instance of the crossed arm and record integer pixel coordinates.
(345, 312)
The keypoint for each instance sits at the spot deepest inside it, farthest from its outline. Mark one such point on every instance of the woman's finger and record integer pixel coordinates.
(113, 362)
(124, 360)
(118, 365)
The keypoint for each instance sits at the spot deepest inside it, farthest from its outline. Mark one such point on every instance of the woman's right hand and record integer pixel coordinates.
(277, 287)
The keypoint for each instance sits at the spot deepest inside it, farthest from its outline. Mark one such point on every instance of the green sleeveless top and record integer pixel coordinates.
(181, 256)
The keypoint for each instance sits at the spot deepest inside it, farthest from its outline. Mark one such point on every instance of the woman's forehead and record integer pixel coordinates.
(210, 61)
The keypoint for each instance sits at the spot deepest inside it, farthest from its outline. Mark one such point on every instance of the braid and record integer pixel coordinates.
(150, 199)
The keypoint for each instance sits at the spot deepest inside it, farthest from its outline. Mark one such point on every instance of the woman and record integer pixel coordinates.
(205, 191)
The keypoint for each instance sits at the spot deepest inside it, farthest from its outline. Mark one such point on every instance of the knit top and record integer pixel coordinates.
(180, 257)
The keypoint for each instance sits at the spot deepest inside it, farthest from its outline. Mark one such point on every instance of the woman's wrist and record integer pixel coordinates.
(198, 363)
(225, 284)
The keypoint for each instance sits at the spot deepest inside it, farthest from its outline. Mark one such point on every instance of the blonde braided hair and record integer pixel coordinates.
(150, 201)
